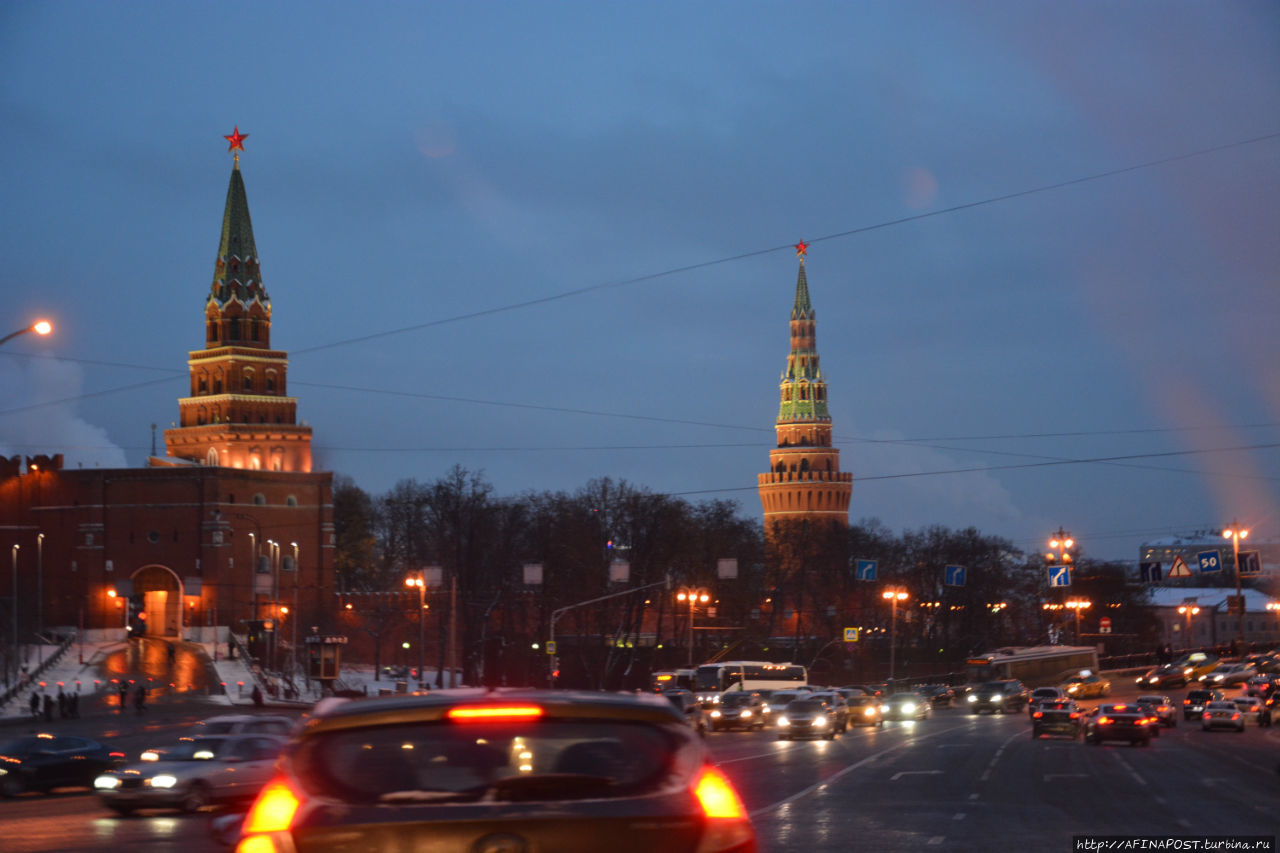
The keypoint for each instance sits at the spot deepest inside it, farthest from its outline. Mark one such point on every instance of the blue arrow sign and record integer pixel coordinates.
(1209, 561)
(1152, 571)
(866, 570)
(1059, 576)
(1250, 563)
(955, 576)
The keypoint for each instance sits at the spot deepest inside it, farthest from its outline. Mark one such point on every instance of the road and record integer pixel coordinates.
(955, 782)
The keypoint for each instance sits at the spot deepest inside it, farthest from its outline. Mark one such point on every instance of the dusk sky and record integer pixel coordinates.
(551, 242)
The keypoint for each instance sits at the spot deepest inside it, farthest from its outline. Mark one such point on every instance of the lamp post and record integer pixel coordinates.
(39, 327)
(1078, 604)
(1060, 545)
(893, 596)
(1235, 533)
(273, 555)
(694, 597)
(40, 588)
(14, 607)
(420, 583)
(1189, 610)
(293, 652)
(1274, 607)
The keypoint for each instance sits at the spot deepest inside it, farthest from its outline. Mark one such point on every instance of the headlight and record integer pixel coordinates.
(908, 707)
(149, 755)
(783, 721)
(973, 697)
(819, 722)
(996, 698)
(164, 780)
(746, 714)
(868, 712)
(103, 782)
(715, 713)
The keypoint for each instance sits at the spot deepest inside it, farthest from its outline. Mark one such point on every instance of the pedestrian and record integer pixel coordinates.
(172, 653)
(73, 706)
(256, 695)
(35, 704)
(140, 699)
(48, 707)
(62, 704)
(124, 694)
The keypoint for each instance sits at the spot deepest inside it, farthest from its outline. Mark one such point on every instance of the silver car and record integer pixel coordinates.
(192, 773)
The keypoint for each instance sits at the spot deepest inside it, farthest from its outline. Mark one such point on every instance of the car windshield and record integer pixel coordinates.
(862, 700)
(804, 705)
(198, 749)
(442, 762)
(733, 700)
(219, 727)
(993, 686)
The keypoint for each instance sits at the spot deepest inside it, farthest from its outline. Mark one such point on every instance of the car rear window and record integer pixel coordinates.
(442, 762)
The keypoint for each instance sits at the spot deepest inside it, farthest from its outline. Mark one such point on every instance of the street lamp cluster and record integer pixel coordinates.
(694, 597)
(419, 582)
(1235, 533)
(1189, 610)
(893, 595)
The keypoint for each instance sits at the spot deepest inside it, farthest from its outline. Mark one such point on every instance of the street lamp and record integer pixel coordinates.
(1189, 610)
(694, 597)
(1060, 546)
(14, 608)
(1235, 533)
(39, 327)
(1078, 604)
(419, 582)
(293, 652)
(893, 596)
(273, 554)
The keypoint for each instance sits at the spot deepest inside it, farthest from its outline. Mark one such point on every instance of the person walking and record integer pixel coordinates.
(140, 699)
(256, 695)
(73, 706)
(62, 704)
(124, 694)
(35, 704)
(48, 708)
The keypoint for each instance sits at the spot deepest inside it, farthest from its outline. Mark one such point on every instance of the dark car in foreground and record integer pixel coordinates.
(192, 773)
(512, 770)
(1056, 717)
(42, 762)
(1126, 722)
(998, 697)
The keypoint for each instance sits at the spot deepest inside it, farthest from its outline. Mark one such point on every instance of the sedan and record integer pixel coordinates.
(865, 711)
(193, 773)
(43, 762)
(1061, 717)
(1045, 694)
(511, 770)
(939, 695)
(1229, 675)
(1160, 707)
(1222, 715)
(1118, 722)
(807, 718)
(738, 711)
(1250, 708)
(907, 706)
(1087, 684)
(1163, 677)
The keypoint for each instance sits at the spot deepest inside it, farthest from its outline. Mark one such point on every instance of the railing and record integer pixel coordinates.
(34, 678)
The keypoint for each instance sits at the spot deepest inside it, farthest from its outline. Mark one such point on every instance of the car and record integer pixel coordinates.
(1166, 676)
(689, 707)
(838, 704)
(42, 762)
(1044, 694)
(1196, 664)
(1229, 675)
(781, 699)
(1086, 684)
(193, 773)
(1196, 700)
(1221, 715)
(939, 695)
(906, 706)
(740, 710)
(1250, 708)
(806, 718)
(998, 697)
(1056, 717)
(872, 689)
(1160, 707)
(514, 769)
(1118, 722)
(245, 724)
(865, 711)
(1261, 686)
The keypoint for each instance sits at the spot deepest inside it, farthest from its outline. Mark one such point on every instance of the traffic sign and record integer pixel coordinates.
(866, 570)
(1059, 576)
(1209, 561)
(1250, 563)
(851, 635)
(1179, 569)
(955, 576)
(551, 647)
(1151, 572)
(1104, 625)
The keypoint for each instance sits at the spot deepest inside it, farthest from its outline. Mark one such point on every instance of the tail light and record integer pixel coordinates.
(728, 829)
(1075, 714)
(266, 827)
(1037, 714)
(1206, 715)
(1236, 715)
(493, 713)
(1104, 721)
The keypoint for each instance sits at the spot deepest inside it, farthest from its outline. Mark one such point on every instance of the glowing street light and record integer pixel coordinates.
(1078, 604)
(694, 597)
(1189, 610)
(1235, 533)
(1060, 546)
(39, 327)
(420, 583)
(893, 596)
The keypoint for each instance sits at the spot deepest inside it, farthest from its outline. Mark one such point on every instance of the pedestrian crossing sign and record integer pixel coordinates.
(1180, 569)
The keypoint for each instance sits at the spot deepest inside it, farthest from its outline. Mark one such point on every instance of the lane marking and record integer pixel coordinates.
(936, 840)
(958, 816)
(1050, 776)
(1132, 772)
(901, 773)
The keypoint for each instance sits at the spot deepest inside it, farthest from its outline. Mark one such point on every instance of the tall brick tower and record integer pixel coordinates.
(239, 414)
(804, 482)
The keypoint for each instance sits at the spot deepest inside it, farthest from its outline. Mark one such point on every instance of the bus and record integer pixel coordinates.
(1034, 666)
(748, 675)
(672, 679)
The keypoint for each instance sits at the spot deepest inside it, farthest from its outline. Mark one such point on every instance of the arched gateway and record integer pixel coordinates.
(161, 589)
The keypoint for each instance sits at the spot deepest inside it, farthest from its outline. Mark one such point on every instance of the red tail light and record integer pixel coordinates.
(1206, 715)
(1104, 721)
(493, 713)
(727, 828)
(274, 809)
(1075, 714)
(1038, 714)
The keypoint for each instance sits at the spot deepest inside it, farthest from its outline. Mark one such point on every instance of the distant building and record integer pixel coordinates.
(230, 527)
(1190, 546)
(1213, 625)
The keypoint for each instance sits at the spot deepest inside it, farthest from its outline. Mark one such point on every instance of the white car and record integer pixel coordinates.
(1250, 708)
(1230, 674)
(245, 724)
(192, 773)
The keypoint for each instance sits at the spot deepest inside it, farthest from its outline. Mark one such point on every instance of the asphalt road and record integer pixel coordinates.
(955, 782)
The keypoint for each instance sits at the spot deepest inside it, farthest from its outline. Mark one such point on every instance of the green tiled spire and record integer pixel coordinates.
(236, 273)
(803, 389)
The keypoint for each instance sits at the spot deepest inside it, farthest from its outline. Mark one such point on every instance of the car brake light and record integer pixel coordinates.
(274, 809)
(1075, 714)
(1038, 714)
(1235, 716)
(1206, 715)
(492, 713)
(727, 827)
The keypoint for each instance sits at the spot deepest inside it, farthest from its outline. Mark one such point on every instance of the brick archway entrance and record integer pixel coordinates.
(161, 590)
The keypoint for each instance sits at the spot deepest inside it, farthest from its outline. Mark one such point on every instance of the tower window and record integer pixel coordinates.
(248, 382)
(259, 499)
(235, 330)
(271, 383)
(253, 329)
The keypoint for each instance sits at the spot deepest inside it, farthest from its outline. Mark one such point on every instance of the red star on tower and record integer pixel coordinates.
(236, 139)
(800, 247)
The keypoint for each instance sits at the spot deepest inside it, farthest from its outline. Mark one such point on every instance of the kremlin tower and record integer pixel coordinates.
(804, 482)
(238, 414)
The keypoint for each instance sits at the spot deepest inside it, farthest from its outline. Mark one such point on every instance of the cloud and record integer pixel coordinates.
(28, 428)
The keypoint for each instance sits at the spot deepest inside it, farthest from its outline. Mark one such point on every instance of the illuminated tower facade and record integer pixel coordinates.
(804, 482)
(239, 414)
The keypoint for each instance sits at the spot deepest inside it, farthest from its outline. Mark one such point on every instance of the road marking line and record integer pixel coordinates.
(901, 773)
(1132, 772)
(973, 796)
(958, 816)
(1050, 776)
(936, 840)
